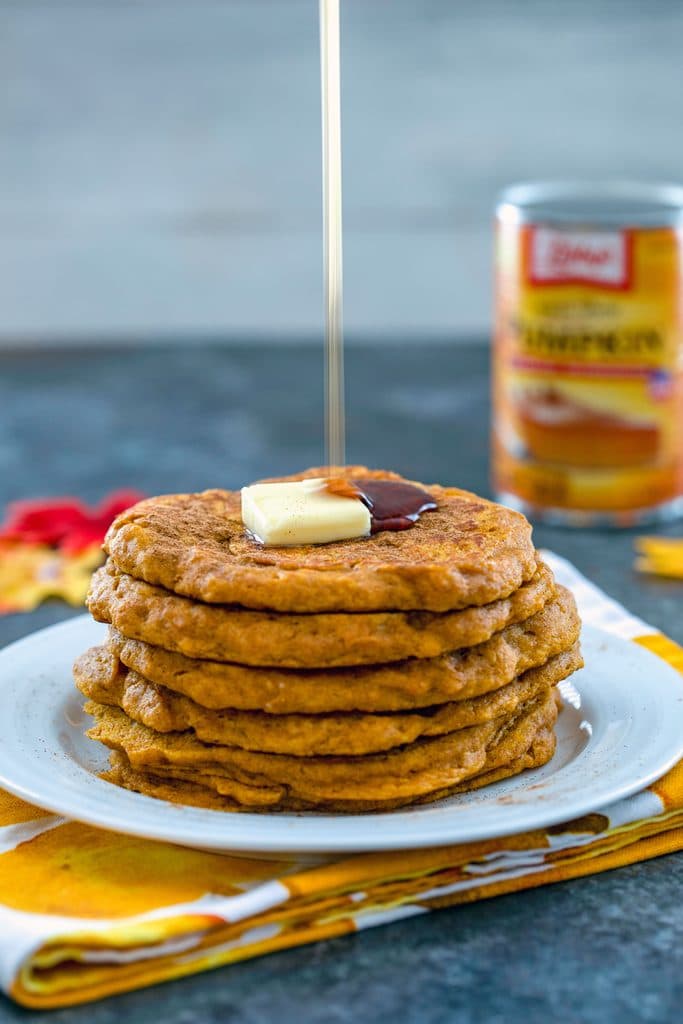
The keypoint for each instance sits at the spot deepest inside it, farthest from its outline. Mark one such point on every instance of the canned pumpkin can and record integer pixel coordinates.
(588, 352)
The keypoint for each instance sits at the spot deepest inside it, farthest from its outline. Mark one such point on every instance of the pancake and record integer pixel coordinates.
(526, 742)
(101, 677)
(243, 797)
(468, 551)
(398, 686)
(223, 633)
(539, 753)
(391, 778)
(180, 791)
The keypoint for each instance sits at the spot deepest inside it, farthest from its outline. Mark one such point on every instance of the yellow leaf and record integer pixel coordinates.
(661, 556)
(32, 573)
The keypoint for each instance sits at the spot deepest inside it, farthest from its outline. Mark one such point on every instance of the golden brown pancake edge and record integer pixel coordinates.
(320, 640)
(102, 679)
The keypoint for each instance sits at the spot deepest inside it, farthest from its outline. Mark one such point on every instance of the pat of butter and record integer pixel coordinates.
(302, 512)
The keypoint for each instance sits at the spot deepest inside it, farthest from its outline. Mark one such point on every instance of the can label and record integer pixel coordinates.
(580, 257)
(588, 375)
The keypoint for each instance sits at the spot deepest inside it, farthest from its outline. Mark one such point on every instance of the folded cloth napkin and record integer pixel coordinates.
(86, 913)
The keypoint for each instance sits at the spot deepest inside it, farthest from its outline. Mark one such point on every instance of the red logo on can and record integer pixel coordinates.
(601, 258)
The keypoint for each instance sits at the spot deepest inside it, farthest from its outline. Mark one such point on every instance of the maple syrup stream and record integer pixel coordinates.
(330, 81)
(393, 505)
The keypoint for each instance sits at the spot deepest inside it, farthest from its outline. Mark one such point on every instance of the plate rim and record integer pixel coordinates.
(371, 840)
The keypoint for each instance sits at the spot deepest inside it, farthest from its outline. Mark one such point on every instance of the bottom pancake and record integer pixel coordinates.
(179, 791)
(422, 770)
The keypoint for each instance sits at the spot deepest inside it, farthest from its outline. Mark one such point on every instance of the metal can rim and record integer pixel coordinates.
(626, 203)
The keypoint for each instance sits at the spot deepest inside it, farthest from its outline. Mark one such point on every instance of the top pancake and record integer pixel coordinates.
(468, 551)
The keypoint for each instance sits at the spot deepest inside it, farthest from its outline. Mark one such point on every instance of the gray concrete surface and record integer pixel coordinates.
(601, 950)
(160, 177)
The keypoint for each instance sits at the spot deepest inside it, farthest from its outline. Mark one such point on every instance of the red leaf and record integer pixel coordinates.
(66, 523)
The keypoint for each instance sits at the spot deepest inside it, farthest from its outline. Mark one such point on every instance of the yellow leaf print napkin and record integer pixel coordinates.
(86, 913)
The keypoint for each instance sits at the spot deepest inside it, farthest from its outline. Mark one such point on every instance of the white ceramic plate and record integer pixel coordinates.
(621, 728)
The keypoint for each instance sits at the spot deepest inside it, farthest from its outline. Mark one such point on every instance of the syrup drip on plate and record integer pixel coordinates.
(393, 505)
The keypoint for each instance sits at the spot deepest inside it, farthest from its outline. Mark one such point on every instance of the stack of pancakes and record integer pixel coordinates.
(358, 675)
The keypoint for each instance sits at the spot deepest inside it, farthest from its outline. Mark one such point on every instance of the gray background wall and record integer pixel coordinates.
(160, 166)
